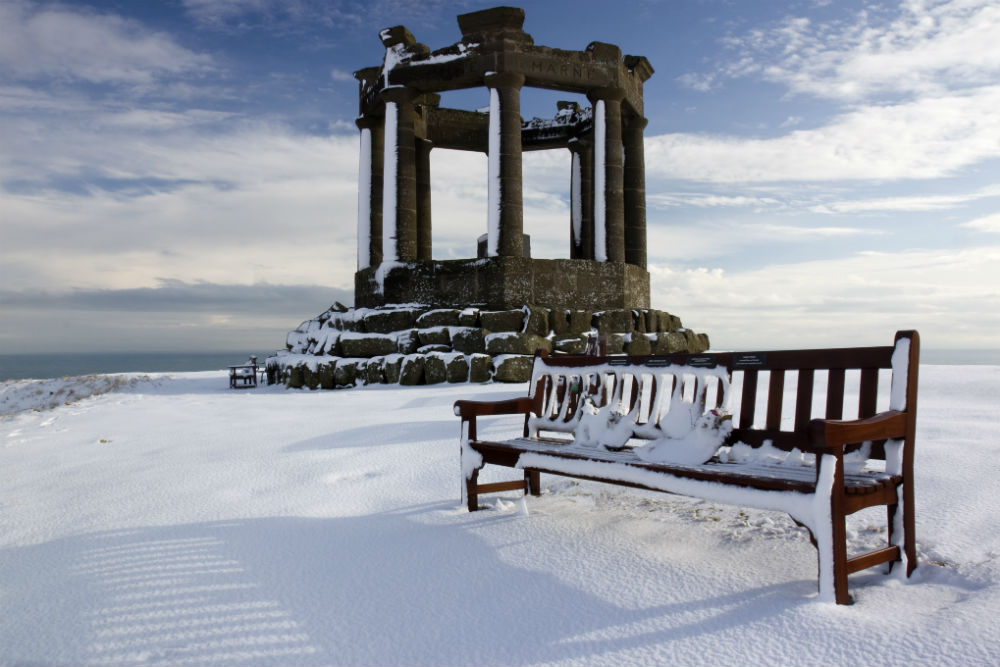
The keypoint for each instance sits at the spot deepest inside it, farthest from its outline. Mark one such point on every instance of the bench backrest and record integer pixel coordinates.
(772, 395)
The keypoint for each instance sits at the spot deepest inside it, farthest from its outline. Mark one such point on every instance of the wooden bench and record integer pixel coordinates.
(243, 376)
(831, 467)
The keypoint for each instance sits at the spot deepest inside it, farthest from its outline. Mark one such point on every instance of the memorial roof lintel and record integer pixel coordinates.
(462, 66)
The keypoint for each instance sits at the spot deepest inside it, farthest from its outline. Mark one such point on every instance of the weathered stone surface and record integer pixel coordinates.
(537, 321)
(559, 321)
(638, 344)
(412, 371)
(346, 373)
(367, 345)
(372, 371)
(386, 321)
(392, 368)
(457, 369)
(468, 341)
(435, 370)
(310, 377)
(613, 321)
(670, 343)
(513, 368)
(325, 371)
(501, 283)
(515, 343)
(407, 342)
(652, 320)
(402, 356)
(580, 321)
(468, 317)
(502, 320)
(436, 336)
(570, 345)
(639, 321)
(479, 368)
(348, 321)
(443, 317)
(296, 377)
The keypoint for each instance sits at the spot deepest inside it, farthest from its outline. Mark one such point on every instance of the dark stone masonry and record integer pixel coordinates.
(346, 347)
(482, 318)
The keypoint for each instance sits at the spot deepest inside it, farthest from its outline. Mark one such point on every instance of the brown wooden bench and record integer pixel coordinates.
(243, 376)
(826, 468)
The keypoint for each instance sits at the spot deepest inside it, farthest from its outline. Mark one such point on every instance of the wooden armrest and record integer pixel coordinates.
(828, 433)
(512, 406)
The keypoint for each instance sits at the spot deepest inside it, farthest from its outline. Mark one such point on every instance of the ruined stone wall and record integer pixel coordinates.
(346, 347)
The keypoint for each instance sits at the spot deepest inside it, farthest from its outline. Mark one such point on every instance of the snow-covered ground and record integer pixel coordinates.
(166, 519)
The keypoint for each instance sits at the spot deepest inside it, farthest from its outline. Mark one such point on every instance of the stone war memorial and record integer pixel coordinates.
(419, 320)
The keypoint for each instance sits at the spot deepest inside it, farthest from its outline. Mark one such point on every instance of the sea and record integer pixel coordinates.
(44, 366)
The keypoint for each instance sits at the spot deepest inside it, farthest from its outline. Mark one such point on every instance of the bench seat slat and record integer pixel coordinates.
(792, 477)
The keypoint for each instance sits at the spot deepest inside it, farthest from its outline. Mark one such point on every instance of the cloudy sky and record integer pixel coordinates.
(182, 175)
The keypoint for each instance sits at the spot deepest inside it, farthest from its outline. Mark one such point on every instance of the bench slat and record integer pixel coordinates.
(835, 394)
(800, 478)
(804, 399)
(868, 394)
(748, 404)
(775, 396)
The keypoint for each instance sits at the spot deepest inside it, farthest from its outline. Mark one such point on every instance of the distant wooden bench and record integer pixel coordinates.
(242, 376)
(831, 468)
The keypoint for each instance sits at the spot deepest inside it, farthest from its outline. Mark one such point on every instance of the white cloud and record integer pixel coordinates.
(341, 75)
(59, 41)
(710, 200)
(926, 48)
(926, 138)
(988, 223)
(257, 202)
(276, 15)
(912, 203)
(950, 296)
(790, 232)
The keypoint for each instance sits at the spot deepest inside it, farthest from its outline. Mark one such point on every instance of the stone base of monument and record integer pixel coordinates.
(346, 347)
(504, 283)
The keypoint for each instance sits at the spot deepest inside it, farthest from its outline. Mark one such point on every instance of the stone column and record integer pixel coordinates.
(370, 192)
(609, 205)
(582, 199)
(635, 191)
(506, 212)
(399, 193)
(423, 175)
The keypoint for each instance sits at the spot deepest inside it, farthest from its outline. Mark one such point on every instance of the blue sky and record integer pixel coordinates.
(183, 175)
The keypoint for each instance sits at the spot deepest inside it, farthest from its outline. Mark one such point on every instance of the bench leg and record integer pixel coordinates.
(472, 463)
(904, 524)
(533, 482)
(909, 527)
(841, 593)
(472, 491)
(831, 539)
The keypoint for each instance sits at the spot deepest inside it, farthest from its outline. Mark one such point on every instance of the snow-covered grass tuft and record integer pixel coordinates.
(23, 395)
